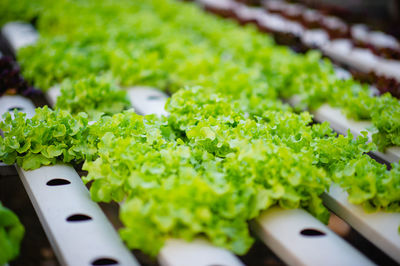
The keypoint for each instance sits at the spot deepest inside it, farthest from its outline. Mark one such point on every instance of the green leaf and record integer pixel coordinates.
(11, 234)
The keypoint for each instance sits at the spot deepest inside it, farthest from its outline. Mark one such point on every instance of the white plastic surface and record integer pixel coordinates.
(220, 4)
(359, 32)
(388, 68)
(245, 12)
(9, 102)
(281, 231)
(338, 49)
(278, 23)
(19, 34)
(272, 22)
(362, 59)
(76, 242)
(315, 37)
(196, 253)
(381, 228)
(381, 39)
(52, 94)
(146, 100)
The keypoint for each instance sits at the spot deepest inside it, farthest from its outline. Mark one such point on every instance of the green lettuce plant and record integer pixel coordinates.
(11, 234)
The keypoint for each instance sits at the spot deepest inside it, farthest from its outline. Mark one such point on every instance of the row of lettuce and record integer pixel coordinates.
(168, 45)
(229, 148)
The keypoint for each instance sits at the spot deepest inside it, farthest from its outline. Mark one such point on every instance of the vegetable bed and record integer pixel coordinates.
(228, 147)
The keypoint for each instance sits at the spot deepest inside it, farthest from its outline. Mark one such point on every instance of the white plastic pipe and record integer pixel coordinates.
(300, 239)
(76, 227)
(19, 34)
(381, 228)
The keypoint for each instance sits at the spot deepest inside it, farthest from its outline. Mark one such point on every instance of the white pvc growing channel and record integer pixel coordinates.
(296, 236)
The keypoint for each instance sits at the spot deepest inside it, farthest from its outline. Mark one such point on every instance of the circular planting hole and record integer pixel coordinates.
(311, 232)
(58, 182)
(78, 218)
(105, 261)
(153, 97)
(11, 109)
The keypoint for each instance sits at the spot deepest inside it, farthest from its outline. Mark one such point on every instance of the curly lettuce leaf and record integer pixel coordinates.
(46, 138)
(96, 96)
